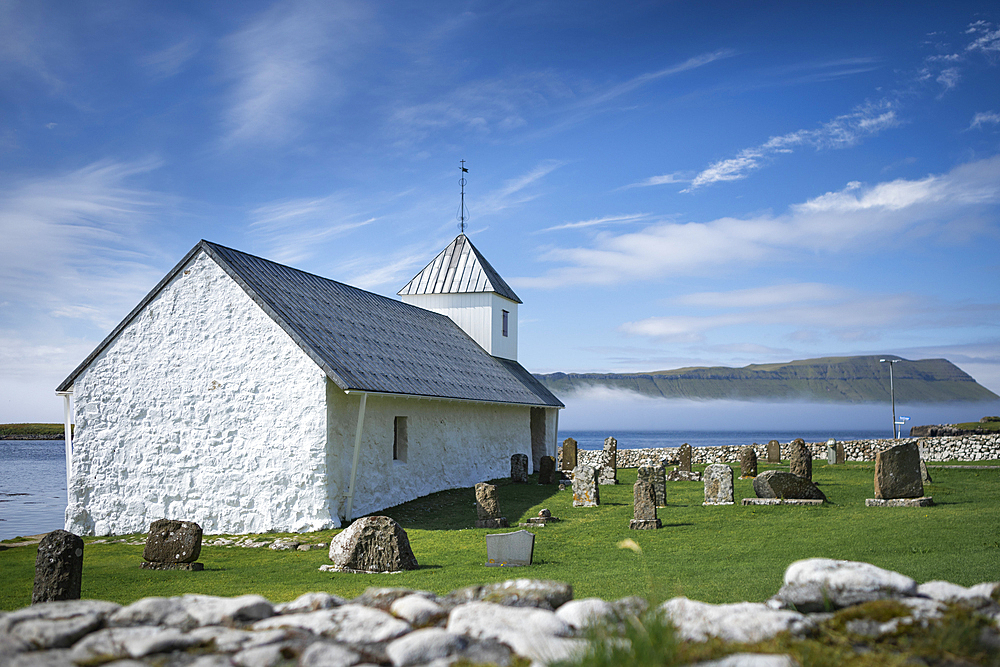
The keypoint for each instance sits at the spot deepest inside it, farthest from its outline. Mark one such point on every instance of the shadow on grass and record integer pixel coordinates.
(455, 509)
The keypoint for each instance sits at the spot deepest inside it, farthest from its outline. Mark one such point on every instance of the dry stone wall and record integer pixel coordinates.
(945, 448)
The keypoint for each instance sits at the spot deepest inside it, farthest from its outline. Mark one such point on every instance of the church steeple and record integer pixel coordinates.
(461, 284)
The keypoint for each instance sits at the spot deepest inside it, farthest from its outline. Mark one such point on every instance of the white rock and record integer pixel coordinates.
(531, 633)
(586, 612)
(284, 544)
(943, 591)
(417, 610)
(309, 602)
(349, 623)
(212, 610)
(55, 624)
(327, 654)
(815, 583)
(171, 612)
(138, 642)
(259, 656)
(229, 640)
(741, 622)
(750, 660)
(423, 646)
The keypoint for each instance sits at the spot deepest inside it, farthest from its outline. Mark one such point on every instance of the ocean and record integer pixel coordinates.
(33, 472)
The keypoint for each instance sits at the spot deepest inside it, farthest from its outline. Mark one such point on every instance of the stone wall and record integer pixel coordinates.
(955, 448)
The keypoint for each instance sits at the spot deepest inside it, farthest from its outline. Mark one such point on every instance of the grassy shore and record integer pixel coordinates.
(713, 554)
(32, 431)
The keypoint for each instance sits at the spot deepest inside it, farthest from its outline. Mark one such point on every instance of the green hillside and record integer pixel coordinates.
(828, 379)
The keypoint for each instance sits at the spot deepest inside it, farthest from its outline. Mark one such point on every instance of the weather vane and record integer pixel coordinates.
(463, 213)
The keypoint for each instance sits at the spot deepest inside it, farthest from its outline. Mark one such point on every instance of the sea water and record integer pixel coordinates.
(33, 472)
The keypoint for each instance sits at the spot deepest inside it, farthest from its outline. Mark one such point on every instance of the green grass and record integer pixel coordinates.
(713, 554)
(990, 426)
(31, 429)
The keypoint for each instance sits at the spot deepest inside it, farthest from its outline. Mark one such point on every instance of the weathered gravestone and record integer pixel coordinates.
(685, 456)
(372, 544)
(608, 471)
(748, 462)
(568, 454)
(547, 470)
(644, 499)
(841, 456)
(773, 451)
(172, 545)
(925, 476)
(519, 468)
(781, 484)
(510, 549)
(718, 485)
(585, 489)
(800, 459)
(897, 472)
(831, 451)
(655, 472)
(488, 507)
(58, 568)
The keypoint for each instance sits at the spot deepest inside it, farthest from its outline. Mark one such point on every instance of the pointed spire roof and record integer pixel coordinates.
(459, 269)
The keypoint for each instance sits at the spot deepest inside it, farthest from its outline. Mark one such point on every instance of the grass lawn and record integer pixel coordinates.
(713, 554)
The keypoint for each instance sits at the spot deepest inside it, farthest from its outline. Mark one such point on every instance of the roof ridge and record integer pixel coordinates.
(451, 272)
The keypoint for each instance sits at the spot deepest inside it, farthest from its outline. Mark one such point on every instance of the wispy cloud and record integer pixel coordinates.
(289, 61)
(984, 118)
(665, 179)
(30, 43)
(608, 220)
(294, 230)
(986, 37)
(517, 190)
(857, 216)
(169, 61)
(843, 131)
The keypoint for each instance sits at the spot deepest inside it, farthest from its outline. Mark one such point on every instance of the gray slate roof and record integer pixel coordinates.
(364, 341)
(459, 269)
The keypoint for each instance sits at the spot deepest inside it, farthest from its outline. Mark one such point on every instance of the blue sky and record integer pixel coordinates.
(664, 184)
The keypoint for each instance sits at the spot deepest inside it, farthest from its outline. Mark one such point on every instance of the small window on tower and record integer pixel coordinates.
(505, 315)
(399, 439)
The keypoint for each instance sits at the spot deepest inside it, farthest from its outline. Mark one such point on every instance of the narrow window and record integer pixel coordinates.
(399, 439)
(505, 314)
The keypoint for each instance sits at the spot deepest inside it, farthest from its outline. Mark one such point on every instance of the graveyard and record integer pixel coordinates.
(712, 553)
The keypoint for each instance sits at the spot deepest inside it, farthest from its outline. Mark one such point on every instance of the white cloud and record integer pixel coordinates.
(665, 179)
(517, 190)
(294, 230)
(841, 132)
(854, 218)
(987, 40)
(610, 219)
(773, 295)
(948, 78)
(292, 60)
(169, 61)
(983, 118)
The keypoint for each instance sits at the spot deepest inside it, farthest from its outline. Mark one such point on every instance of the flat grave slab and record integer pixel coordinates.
(510, 549)
(782, 501)
(925, 501)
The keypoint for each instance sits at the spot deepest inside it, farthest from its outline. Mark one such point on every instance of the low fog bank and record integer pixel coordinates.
(602, 408)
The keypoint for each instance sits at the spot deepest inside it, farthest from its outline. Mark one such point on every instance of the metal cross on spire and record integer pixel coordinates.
(463, 213)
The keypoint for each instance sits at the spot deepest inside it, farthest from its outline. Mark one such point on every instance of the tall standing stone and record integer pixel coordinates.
(718, 485)
(655, 472)
(568, 454)
(748, 462)
(609, 462)
(519, 468)
(685, 456)
(801, 460)
(644, 499)
(58, 568)
(897, 472)
(774, 451)
(841, 457)
(925, 476)
(547, 470)
(585, 488)
(831, 451)
(488, 507)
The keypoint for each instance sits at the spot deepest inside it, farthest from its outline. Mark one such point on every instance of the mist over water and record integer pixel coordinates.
(602, 408)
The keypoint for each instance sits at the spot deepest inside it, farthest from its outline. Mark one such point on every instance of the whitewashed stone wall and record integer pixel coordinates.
(950, 448)
(451, 444)
(202, 409)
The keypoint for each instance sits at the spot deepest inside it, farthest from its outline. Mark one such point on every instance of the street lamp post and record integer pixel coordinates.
(892, 393)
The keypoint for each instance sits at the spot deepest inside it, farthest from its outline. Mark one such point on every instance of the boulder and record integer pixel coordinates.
(58, 568)
(897, 472)
(780, 484)
(800, 459)
(718, 485)
(741, 622)
(823, 584)
(372, 544)
(172, 541)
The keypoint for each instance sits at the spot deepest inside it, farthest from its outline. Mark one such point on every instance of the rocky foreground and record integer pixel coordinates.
(508, 623)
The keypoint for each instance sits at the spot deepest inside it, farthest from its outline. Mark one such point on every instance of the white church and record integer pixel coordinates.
(249, 396)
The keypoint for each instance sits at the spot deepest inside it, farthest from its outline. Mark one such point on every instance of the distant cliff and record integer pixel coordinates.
(829, 379)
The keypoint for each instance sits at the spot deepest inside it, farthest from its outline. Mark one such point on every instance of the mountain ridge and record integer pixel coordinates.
(853, 379)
